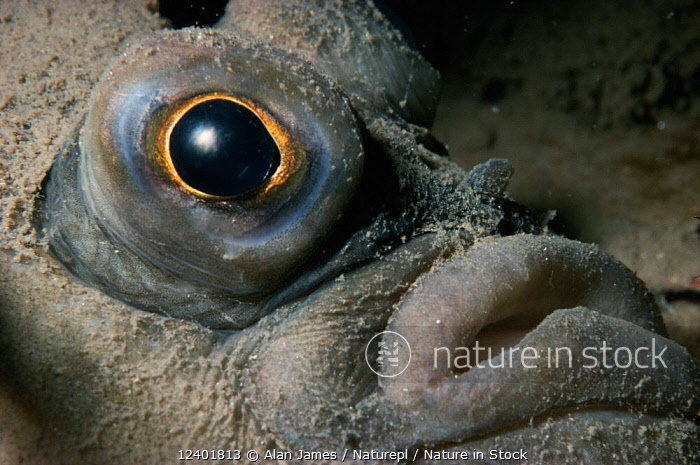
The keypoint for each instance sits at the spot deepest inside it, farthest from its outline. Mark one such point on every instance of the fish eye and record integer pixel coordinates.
(218, 147)
(216, 167)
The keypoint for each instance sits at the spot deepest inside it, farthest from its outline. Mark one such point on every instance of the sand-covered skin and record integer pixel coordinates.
(633, 190)
(44, 356)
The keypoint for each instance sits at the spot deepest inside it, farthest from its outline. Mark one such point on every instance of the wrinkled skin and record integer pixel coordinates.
(296, 379)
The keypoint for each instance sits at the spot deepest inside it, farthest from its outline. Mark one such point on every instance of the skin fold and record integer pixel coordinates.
(420, 247)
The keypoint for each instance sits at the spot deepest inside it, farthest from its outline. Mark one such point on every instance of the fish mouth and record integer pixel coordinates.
(436, 345)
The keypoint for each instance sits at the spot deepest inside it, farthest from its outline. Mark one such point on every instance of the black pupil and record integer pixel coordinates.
(222, 148)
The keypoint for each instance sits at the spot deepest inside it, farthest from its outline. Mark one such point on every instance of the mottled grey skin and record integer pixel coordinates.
(425, 259)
